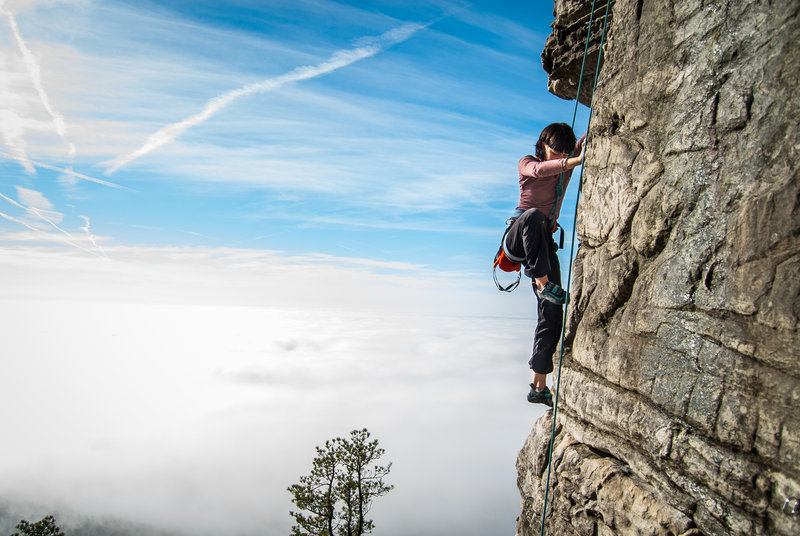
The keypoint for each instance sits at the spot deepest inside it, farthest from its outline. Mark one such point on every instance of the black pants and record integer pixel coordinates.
(530, 238)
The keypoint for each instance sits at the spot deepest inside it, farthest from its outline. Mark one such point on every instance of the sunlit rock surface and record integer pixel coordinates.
(679, 410)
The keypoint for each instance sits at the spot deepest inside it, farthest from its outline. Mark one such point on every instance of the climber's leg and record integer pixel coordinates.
(539, 381)
(528, 238)
(550, 320)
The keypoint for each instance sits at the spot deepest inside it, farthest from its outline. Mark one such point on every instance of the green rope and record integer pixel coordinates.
(572, 245)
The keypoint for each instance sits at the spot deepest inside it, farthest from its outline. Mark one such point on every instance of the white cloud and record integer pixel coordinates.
(499, 25)
(218, 371)
(33, 199)
(12, 127)
(37, 207)
(17, 118)
(40, 216)
(360, 262)
(66, 171)
(23, 223)
(368, 47)
(399, 155)
(36, 79)
(177, 376)
(18, 6)
(200, 417)
(228, 276)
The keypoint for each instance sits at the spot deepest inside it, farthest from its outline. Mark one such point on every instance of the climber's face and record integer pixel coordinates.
(551, 154)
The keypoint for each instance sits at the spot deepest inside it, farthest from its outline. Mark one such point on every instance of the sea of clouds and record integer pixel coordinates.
(196, 412)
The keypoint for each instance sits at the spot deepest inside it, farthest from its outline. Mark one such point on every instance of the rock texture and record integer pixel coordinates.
(679, 408)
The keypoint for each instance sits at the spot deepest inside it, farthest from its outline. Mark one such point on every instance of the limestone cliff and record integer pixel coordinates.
(679, 410)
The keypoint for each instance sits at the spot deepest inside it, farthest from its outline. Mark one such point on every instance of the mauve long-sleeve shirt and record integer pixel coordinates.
(538, 179)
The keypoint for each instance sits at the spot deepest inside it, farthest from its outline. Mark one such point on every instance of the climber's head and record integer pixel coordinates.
(559, 138)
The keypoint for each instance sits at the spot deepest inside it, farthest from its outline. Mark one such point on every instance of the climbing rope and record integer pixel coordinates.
(572, 244)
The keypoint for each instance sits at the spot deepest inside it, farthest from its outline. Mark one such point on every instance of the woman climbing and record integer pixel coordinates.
(543, 179)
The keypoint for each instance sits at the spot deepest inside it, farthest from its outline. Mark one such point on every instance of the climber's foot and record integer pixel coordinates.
(540, 397)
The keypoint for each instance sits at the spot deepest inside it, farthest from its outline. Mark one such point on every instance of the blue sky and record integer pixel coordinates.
(233, 230)
(407, 155)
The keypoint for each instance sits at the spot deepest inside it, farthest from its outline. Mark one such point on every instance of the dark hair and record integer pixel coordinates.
(559, 136)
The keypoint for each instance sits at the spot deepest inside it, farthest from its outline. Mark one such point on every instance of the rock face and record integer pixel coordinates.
(679, 407)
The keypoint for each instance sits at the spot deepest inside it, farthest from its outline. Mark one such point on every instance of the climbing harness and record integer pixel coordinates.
(506, 262)
(572, 245)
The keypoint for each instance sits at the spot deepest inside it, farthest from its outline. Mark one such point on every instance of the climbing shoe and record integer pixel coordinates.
(540, 397)
(552, 293)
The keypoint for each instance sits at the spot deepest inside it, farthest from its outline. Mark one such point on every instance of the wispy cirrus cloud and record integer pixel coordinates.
(365, 48)
(12, 128)
(67, 171)
(36, 203)
(40, 209)
(35, 73)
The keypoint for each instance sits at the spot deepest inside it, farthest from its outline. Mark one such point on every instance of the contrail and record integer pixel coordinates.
(15, 220)
(37, 212)
(67, 171)
(70, 239)
(366, 48)
(87, 229)
(36, 78)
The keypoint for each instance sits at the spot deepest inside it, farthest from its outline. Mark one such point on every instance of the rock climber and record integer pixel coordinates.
(543, 179)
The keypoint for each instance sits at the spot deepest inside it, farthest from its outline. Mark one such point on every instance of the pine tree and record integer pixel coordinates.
(46, 527)
(337, 495)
